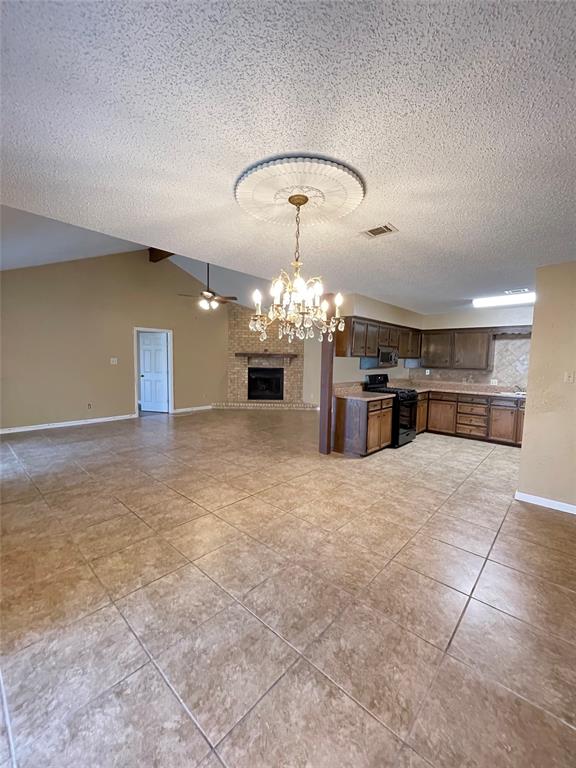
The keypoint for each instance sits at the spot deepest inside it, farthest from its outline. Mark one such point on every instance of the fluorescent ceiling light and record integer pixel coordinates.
(506, 300)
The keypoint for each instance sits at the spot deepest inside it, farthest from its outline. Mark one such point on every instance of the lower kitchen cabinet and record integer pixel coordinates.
(422, 413)
(361, 426)
(519, 426)
(502, 424)
(442, 416)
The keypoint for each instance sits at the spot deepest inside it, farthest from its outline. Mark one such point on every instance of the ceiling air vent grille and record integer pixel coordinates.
(383, 229)
(514, 291)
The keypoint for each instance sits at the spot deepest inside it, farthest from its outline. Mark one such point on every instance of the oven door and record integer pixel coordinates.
(407, 410)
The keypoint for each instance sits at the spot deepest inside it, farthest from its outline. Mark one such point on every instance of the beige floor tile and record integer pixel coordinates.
(481, 507)
(452, 566)
(5, 753)
(168, 514)
(40, 558)
(18, 489)
(410, 759)
(224, 667)
(451, 530)
(48, 680)
(305, 720)
(401, 512)
(326, 514)
(216, 495)
(201, 535)
(147, 495)
(486, 725)
(254, 482)
(419, 604)
(550, 564)
(345, 565)
(377, 534)
(212, 761)
(167, 610)
(529, 598)
(33, 612)
(137, 723)
(133, 567)
(19, 518)
(249, 514)
(289, 535)
(384, 667)
(284, 496)
(91, 510)
(241, 565)
(556, 530)
(115, 534)
(530, 662)
(297, 604)
(422, 496)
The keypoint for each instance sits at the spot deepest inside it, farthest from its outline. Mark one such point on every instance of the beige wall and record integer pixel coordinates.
(548, 457)
(479, 318)
(61, 324)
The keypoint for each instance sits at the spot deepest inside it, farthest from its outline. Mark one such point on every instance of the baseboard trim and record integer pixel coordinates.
(60, 424)
(560, 506)
(194, 408)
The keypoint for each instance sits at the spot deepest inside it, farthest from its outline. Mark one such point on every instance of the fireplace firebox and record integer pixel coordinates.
(265, 383)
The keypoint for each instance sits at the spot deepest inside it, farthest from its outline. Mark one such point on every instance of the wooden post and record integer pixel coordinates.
(326, 379)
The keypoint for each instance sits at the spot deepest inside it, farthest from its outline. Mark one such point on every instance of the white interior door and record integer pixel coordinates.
(153, 357)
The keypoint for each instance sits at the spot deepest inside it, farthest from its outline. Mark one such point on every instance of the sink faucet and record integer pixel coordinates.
(517, 388)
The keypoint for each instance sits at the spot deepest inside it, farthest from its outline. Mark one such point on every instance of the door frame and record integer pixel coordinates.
(137, 330)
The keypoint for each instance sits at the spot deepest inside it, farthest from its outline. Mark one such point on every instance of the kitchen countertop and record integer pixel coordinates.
(348, 389)
(364, 396)
(456, 390)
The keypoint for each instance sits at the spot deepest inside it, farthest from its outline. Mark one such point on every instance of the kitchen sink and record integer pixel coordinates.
(512, 394)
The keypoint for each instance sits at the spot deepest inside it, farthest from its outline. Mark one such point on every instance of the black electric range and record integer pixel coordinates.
(404, 408)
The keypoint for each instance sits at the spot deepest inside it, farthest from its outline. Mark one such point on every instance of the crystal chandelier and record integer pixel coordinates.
(297, 305)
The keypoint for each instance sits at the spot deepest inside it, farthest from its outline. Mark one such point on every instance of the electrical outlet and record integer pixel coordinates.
(89, 406)
(493, 382)
(569, 377)
(427, 371)
(113, 361)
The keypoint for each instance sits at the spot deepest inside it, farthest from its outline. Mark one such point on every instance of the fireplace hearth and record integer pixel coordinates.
(265, 383)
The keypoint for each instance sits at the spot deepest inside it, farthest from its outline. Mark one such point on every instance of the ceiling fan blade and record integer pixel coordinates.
(188, 295)
(227, 298)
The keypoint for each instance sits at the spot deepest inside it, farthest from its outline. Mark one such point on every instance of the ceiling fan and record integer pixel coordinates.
(209, 299)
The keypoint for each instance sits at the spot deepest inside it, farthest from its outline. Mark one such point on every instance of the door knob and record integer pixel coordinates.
(141, 375)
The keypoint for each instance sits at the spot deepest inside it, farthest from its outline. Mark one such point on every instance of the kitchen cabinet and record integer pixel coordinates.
(437, 349)
(502, 424)
(383, 336)
(361, 426)
(422, 413)
(393, 337)
(409, 343)
(371, 349)
(359, 329)
(473, 350)
(520, 425)
(442, 415)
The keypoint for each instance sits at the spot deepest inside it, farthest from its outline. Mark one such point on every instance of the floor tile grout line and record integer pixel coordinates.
(8, 722)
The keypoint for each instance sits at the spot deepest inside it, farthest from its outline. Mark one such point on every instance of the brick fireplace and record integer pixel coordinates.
(246, 351)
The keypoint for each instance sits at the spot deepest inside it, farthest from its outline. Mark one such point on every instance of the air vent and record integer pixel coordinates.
(514, 291)
(383, 229)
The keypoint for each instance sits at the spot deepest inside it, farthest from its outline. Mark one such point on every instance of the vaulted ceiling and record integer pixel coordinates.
(135, 119)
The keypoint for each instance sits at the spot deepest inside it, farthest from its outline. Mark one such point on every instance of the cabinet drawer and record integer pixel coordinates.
(387, 403)
(479, 421)
(443, 396)
(479, 410)
(505, 402)
(477, 431)
(473, 399)
(375, 405)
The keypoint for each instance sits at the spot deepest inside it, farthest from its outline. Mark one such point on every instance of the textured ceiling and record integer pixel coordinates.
(134, 119)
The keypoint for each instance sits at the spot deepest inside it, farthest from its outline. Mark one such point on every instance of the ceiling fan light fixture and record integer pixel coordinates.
(214, 304)
(204, 303)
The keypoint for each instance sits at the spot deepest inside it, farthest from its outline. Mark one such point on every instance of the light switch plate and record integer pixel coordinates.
(493, 382)
(427, 371)
(113, 361)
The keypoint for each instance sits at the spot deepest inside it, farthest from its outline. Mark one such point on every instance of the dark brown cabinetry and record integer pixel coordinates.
(472, 416)
(437, 349)
(502, 425)
(358, 333)
(409, 343)
(442, 413)
(473, 350)
(372, 330)
(361, 426)
(422, 413)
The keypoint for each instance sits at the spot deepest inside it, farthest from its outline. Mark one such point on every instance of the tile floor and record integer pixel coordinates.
(208, 590)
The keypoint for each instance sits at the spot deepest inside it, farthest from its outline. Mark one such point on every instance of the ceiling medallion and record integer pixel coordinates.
(333, 189)
(271, 191)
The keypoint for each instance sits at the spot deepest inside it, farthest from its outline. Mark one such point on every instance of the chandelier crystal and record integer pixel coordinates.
(297, 305)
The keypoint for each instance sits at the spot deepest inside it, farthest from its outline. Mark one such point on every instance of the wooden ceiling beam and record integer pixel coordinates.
(157, 254)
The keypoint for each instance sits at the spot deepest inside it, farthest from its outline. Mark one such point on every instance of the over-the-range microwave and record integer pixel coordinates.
(387, 358)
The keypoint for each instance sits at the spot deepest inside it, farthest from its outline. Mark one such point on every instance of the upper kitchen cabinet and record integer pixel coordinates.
(372, 330)
(473, 350)
(437, 349)
(463, 349)
(409, 343)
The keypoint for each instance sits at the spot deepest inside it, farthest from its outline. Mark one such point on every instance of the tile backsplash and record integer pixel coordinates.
(511, 358)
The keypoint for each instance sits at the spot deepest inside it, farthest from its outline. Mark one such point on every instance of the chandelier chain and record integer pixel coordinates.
(297, 247)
